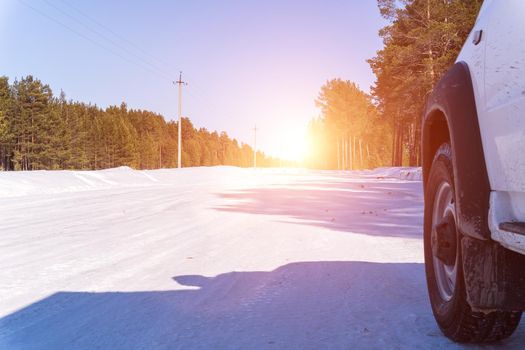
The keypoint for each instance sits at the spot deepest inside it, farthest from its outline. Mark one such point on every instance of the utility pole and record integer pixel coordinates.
(255, 146)
(180, 83)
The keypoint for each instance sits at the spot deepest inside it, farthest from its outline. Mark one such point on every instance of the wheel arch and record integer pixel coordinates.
(451, 115)
(435, 132)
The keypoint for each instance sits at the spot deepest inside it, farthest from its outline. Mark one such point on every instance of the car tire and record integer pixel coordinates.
(444, 274)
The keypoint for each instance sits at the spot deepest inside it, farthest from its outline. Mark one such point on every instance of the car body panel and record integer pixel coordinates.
(505, 207)
(497, 66)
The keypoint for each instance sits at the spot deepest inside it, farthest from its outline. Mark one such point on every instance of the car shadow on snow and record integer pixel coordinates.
(373, 207)
(306, 305)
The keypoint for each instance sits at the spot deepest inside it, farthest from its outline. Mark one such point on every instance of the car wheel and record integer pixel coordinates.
(443, 263)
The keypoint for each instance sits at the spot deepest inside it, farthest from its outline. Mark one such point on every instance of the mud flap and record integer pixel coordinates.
(494, 276)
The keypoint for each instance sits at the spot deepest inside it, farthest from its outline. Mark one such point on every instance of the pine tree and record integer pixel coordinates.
(420, 44)
(31, 124)
(6, 106)
(348, 125)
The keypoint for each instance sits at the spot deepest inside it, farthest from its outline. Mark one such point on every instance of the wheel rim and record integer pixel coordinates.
(444, 205)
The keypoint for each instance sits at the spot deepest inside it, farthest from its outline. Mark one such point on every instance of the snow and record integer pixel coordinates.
(402, 173)
(214, 258)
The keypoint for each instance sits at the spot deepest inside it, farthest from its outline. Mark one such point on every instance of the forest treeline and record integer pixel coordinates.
(421, 41)
(41, 131)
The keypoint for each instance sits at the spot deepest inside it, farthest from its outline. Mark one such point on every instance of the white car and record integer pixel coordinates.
(473, 145)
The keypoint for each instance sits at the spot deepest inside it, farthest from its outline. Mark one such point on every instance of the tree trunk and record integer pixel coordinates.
(414, 149)
(345, 153)
(354, 153)
(350, 153)
(394, 146)
(430, 52)
(338, 155)
(361, 154)
(400, 147)
(367, 156)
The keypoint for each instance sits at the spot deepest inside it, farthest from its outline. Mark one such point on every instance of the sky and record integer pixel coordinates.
(247, 63)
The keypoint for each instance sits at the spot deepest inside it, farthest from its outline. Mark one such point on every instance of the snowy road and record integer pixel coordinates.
(214, 258)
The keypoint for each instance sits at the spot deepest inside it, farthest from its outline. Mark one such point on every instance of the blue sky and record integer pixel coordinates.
(246, 62)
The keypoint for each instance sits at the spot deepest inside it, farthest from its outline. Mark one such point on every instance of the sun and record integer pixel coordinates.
(293, 144)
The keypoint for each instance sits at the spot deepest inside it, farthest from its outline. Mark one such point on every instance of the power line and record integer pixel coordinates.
(103, 36)
(129, 42)
(195, 90)
(94, 42)
(159, 70)
(145, 64)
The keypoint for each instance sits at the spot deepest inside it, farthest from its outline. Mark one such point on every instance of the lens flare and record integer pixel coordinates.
(293, 143)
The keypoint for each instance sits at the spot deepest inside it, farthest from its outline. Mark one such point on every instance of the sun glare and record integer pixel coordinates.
(293, 145)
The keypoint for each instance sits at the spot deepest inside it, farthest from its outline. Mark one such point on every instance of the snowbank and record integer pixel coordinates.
(402, 173)
(20, 183)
